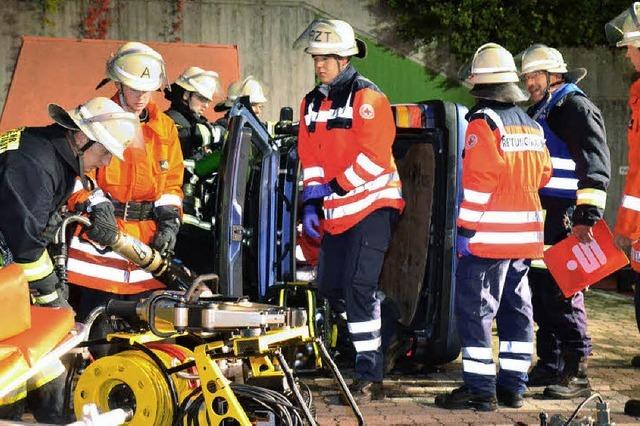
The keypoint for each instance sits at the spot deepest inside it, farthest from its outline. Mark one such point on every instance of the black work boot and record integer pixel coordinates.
(509, 398)
(365, 391)
(465, 398)
(632, 408)
(543, 376)
(574, 383)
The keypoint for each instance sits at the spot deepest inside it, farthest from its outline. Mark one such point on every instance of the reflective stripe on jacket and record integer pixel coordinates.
(505, 163)
(347, 136)
(563, 182)
(153, 174)
(628, 221)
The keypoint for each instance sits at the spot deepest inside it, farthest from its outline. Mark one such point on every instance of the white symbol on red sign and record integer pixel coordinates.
(366, 111)
(590, 257)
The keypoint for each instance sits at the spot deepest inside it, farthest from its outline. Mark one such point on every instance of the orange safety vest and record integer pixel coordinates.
(628, 221)
(349, 139)
(151, 174)
(505, 162)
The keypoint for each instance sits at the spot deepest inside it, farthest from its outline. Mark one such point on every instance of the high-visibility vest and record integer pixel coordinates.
(347, 136)
(152, 173)
(628, 221)
(505, 163)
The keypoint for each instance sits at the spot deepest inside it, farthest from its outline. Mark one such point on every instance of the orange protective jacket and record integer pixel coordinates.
(152, 173)
(628, 221)
(346, 133)
(505, 163)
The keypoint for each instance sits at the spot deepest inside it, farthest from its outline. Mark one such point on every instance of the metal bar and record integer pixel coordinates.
(294, 387)
(343, 385)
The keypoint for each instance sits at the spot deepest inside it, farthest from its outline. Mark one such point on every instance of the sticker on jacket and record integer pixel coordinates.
(522, 142)
(472, 140)
(164, 165)
(366, 111)
(10, 140)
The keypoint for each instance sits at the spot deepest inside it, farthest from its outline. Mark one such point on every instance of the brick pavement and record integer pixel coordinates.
(410, 398)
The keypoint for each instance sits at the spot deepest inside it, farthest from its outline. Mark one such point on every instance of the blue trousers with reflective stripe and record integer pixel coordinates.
(348, 273)
(562, 322)
(488, 289)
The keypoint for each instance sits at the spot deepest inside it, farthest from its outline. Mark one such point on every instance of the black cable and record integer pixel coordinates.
(183, 406)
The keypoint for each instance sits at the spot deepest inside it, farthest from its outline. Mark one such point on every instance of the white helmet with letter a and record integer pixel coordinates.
(137, 66)
(103, 121)
(331, 37)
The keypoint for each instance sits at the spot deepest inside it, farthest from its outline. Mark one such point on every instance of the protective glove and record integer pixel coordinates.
(53, 224)
(462, 246)
(104, 228)
(315, 192)
(168, 221)
(49, 292)
(311, 221)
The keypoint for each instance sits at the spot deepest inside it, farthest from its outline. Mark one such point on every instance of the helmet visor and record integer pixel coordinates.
(624, 29)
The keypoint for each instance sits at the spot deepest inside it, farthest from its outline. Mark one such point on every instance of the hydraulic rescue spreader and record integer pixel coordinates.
(189, 356)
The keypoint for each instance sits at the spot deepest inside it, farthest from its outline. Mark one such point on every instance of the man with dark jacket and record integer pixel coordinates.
(38, 171)
(574, 200)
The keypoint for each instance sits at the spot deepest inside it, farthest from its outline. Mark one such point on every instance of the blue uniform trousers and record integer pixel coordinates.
(348, 271)
(488, 289)
(562, 322)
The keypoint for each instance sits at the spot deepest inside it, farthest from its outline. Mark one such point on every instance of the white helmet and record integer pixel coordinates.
(195, 79)
(103, 121)
(539, 57)
(624, 29)
(492, 64)
(247, 87)
(331, 37)
(137, 66)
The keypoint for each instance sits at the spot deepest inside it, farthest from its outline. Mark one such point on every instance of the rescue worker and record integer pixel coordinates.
(624, 31)
(145, 191)
(190, 96)
(573, 200)
(352, 190)
(500, 227)
(38, 170)
(246, 87)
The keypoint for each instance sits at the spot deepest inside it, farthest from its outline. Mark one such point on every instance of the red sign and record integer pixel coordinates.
(575, 265)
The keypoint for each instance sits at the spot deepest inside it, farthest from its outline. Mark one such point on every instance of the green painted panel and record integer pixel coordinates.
(404, 81)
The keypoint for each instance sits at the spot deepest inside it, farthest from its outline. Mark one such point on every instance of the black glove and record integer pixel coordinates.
(168, 221)
(55, 220)
(104, 228)
(49, 292)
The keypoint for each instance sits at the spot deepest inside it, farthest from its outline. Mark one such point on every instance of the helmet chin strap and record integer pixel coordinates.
(86, 184)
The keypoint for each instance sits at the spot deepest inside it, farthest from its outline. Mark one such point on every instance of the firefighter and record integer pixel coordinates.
(201, 142)
(246, 87)
(145, 191)
(624, 31)
(38, 170)
(351, 189)
(500, 227)
(573, 200)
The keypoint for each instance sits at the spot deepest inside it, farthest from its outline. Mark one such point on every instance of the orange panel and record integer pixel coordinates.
(66, 72)
(12, 364)
(49, 326)
(15, 315)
